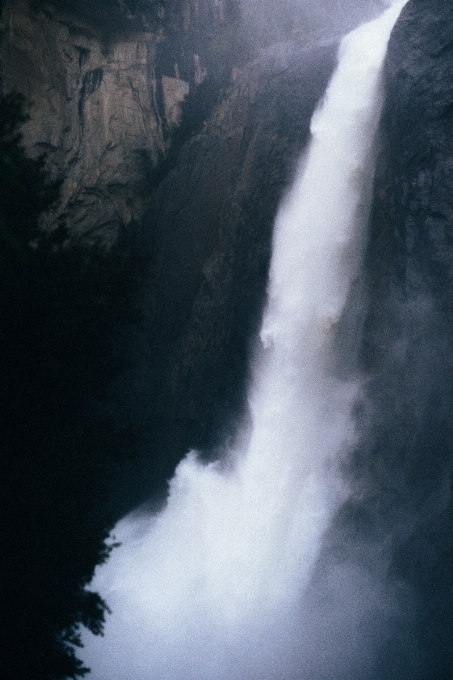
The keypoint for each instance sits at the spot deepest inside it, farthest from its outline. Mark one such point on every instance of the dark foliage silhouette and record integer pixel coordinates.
(63, 306)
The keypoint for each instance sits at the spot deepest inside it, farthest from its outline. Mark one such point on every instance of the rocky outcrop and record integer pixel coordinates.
(105, 98)
(93, 111)
(416, 167)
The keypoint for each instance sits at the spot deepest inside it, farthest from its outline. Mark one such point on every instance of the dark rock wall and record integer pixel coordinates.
(402, 486)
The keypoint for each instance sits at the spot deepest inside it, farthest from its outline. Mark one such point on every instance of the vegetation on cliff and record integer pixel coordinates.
(62, 309)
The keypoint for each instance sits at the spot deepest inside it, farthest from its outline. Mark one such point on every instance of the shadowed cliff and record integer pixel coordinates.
(107, 82)
(398, 525)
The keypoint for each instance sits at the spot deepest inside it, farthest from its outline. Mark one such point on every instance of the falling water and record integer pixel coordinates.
(213, 586)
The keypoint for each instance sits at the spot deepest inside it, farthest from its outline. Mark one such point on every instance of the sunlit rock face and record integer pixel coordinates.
(106, 94)
(109, 81)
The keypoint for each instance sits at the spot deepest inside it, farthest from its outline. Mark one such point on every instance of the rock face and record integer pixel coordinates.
(419, 145)
(123, 112)
(104, 104)
(402, 472)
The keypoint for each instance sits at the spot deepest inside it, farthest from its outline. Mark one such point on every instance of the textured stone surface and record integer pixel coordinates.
(416, 178)
(93, 111)
(402, 489)
(104, 107)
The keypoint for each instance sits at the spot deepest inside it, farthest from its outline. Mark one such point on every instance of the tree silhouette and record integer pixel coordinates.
(63, 306)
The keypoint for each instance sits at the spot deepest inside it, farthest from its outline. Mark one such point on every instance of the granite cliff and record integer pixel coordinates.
(106, 84)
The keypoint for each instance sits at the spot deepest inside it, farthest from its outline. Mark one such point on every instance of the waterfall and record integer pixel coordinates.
(213, 586)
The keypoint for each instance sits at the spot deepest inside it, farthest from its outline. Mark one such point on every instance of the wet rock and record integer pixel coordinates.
(402, 470)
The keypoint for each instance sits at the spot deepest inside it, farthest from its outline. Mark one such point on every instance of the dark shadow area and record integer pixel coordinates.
(63, 308)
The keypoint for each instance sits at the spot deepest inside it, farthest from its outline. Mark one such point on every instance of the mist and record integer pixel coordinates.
(267, 22)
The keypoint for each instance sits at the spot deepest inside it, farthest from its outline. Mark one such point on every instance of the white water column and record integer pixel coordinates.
(212, 587)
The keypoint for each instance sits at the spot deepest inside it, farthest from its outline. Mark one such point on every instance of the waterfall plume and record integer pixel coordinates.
(214, 585)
